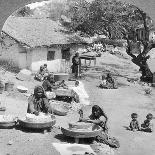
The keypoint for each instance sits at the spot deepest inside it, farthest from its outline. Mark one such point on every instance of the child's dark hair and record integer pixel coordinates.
(149, 116)
(76, 83)
(134, 115)
(45, 65)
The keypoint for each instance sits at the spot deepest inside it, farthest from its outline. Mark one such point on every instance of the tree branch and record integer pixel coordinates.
(143, 15)
(128, 48)
(147, 48)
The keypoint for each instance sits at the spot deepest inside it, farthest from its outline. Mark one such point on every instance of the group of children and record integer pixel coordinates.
(146, 126)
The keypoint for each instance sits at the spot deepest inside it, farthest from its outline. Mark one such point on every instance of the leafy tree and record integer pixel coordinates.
(118, 21)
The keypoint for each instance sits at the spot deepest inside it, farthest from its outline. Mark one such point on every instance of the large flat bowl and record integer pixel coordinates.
(32, 125)
(82, 133)
(9, 124)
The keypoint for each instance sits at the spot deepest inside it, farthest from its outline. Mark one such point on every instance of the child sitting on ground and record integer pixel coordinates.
(147, 126)
(134, 125)
(77, 83)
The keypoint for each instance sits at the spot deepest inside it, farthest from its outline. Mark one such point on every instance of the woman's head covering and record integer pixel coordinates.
(77, 54)
(149, 116)
(39, 89)
(45, 65)
(134, 115)
(97, 108)
(109, 75)
(41, 67)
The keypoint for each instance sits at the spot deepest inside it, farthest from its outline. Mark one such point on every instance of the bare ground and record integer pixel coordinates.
(118, 104)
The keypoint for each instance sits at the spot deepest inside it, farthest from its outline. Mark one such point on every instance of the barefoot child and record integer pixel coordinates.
(134, 125)
(147, 126)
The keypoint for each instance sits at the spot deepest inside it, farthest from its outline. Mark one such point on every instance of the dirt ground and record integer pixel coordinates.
(118, 104)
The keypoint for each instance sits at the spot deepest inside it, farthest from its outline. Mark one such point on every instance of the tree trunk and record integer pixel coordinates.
(141, 61)
(147, 75)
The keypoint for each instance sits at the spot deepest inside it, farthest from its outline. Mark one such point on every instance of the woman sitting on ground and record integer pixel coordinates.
(108, 82)
(41, 74)
(49, 84)
(38, 102)
(99, 117)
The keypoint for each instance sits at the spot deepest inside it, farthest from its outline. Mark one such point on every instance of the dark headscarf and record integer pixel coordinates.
(96, 108)
(77, 54)
(45, 65)
(149, 116)
(39, 89)
(109, 75)
(41, 68)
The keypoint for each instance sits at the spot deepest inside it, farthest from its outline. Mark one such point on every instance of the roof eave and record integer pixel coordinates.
(28, 46)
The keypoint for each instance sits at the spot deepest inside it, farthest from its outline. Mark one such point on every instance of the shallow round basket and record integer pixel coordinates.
(8, 124)
(81, 133)
(80, 125)
(32, 125)
(22, 89)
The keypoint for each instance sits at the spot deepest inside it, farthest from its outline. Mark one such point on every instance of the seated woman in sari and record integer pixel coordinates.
(109, 82)
(38, 102)
(41, 74)
(99, 117)
(49, 83)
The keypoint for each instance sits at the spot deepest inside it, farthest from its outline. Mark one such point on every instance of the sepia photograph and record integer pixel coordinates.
(77, 77)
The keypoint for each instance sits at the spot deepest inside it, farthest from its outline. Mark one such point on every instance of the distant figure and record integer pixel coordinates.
(45, 69)
(103, 81)
(75, 66)
(77, 83)
(41, 74)
(147, 126)
(134, 125)
(108, 82)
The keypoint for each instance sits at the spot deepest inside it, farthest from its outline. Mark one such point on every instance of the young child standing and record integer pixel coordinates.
(134, 125)
(147, 126)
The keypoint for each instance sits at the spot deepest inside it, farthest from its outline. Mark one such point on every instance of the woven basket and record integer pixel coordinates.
(9, 123)
(32, 125)
(81, 133)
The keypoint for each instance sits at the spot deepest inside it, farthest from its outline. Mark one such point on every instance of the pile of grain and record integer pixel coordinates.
(41, 118)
